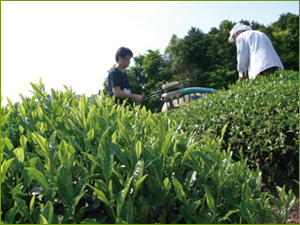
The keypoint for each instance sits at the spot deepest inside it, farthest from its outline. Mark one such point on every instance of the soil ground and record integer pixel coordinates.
(294, 215)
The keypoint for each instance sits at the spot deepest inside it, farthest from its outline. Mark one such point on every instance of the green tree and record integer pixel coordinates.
(186, 58)
(221, 53)
(175, 58)
(147, 76)
(208, 60)
(136, 76)
(197, 56)
(285, 37)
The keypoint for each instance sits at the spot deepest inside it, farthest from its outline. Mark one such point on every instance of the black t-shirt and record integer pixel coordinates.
(117, 78)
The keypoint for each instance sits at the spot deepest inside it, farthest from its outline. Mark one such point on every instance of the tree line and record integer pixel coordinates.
(208, 60)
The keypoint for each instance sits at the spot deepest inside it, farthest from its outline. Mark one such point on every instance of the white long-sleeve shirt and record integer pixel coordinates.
(255, 53)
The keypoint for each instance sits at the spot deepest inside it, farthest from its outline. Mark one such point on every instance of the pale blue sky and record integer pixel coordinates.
(74, 43)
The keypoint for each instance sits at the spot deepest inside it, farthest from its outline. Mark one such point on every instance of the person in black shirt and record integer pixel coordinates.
(118, 84)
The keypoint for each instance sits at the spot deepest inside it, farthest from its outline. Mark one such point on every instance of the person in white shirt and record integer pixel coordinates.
(255, 52)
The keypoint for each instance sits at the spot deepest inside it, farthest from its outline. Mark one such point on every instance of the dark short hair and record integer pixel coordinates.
(123, 52)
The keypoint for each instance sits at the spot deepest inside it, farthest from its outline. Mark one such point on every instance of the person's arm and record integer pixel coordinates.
(121, 94)
(241, 78)
(242, 57)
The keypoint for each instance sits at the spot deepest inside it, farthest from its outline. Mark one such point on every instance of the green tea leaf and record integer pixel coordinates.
(92, 158)
(247, 214)
(122, 196)
(191, 178)
(22, 111)
(38, 176)
(224, 130)
(225, 218)
(191, 208)
(138, 185)
(47, 212)
(6, 143)
(4, 167)
(5, 118)
(43, 220)
(101, 196)
(41, 141)
(22, 208)
(138, 171)
(16, 191)
(102, 186)
(21, 129)
(90, 134)
(188, 151)
(110, 189)
(23, 142)
(65, 186)
(31, 205)
(19, 153)
(66, 153)
(10, 216)
(107, 165)
(9, 101)
(179, 191)
(167, 184)
(138, 149)
(130, 210)
(40, 112)
(210, 201)
(37, 90)
(167, 142)
(116, 150)
(77, 199)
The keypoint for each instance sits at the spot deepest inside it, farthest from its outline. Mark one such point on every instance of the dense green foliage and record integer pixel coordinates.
(263, 120)
(208, 60)
(67, 160)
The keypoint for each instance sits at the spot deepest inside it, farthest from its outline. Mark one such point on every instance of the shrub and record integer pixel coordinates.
(218, 79)
(66, 160)
(263, 120)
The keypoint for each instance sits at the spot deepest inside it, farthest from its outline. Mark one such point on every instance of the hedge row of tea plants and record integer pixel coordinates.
(263, 121)
(67, 160)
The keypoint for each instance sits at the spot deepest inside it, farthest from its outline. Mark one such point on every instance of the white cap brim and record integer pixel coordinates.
(236, 28)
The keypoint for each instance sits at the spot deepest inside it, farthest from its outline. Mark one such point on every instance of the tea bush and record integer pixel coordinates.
(263, 120)
(67, 160)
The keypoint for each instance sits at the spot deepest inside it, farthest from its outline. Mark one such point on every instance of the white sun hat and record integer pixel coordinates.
(236, 28)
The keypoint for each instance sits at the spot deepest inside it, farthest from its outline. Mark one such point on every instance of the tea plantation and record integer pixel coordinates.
(67, 160)
(263, 122)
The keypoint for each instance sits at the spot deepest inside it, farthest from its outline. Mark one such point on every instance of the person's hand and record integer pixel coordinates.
(241, 79)
(138, 99)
